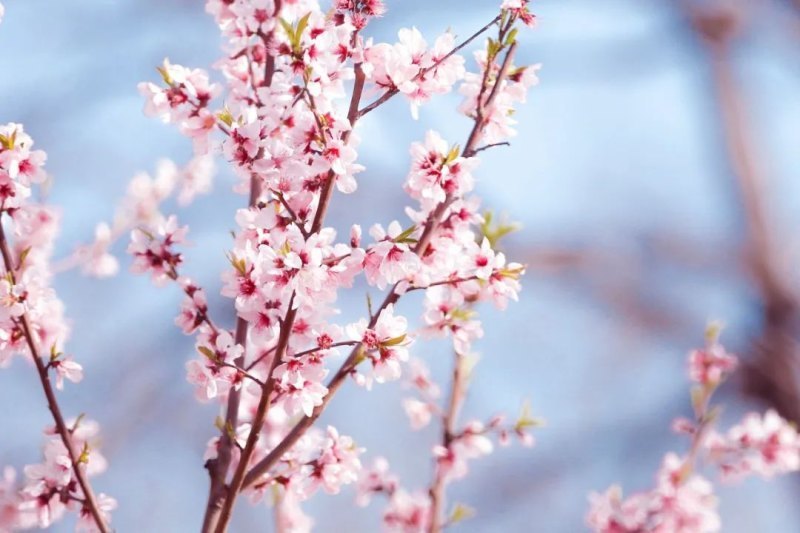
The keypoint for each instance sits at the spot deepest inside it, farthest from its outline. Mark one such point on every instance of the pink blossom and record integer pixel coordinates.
(678, 504)
(418, 412)
(95, 259)
(152, 249)
(711, 365)
(765, 445)
(407, 513)
(389, 261)
(373, 480)
(66, 368)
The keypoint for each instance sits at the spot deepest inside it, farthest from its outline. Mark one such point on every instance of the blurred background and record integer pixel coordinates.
(657, 177)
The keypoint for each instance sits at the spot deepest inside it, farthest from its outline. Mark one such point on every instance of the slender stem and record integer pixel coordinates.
(258, 422)
(493, 145)
(458, 389)
(327, 189)
(318, 348)
(242, 371)
(286, 327)
(218, 467)
(261, 358)
(394, 90)
(52, 403)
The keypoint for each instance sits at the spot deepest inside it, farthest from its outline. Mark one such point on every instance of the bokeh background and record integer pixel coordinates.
(657, 177)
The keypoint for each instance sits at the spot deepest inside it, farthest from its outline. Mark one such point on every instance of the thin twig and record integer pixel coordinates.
(52, 402)
(482, 148)
(458, 391)
(393, 91)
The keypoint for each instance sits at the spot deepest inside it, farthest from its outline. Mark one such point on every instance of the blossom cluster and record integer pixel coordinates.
(142, 206)
(683, 500)
(284, 121)
(50, 488)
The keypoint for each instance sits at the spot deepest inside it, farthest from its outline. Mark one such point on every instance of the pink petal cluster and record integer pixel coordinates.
(711, 365)
(50, 488)
(153, 251)
(678, 504)
(413, 69)
(497, 114)
(763, 445)
(683, 501)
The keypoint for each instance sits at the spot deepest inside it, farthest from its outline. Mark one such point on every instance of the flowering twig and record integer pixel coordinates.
(458, 387)
(63, 431)
(421, 74)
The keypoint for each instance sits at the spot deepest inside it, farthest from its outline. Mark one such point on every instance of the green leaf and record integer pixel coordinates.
(84, 457)
(460, 513)
(395, 341)
(405, 236)
(208, 353)
(238, 264)
(226, 117)
(287, 28)
(453, 154)
(526, 419)
(511, 38)
(164, 75)
(713, 330)
(54, 353)
(23, 256)
(462, 314)
(369, 305)
(492, 49)
(699, 397)
(301, 26)
(360, 356)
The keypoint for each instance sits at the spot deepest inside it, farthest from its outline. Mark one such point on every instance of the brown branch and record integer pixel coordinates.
(286, 328)
(458, 390)
(258, 422)
(421, 74)
(63, 431)
(488, 146)
(327, 189)
(771, 376)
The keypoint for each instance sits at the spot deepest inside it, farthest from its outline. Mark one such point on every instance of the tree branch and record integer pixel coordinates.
(63, 431)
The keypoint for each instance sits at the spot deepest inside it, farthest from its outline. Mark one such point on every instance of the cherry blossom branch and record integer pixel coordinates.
(218, 467)
(261, 358)
(201, 313)
(353, 359)
(352, 116)
(258, 422)
(286, 327)
(458, 389)
(421, 74)
(771, 375)
(306, 422)
(63, 431)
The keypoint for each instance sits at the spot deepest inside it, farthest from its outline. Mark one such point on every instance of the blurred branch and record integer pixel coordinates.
(770, 375)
